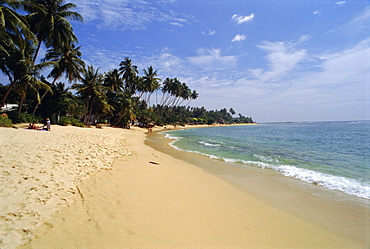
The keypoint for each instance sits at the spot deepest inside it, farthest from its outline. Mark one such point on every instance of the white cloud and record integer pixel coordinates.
(319, 91)
(348, 66)
(282, 58)
(316, 12)
(239, 37)
(210, 32)
(212, 58)
(340, 3)
(125, 14)
(242, 19)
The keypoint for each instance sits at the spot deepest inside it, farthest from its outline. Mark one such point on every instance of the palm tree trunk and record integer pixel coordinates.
(37, 49)
(91, 109)
(42, 97)
(167, 100)
(23, 98)
(119, 120)
(148, 99)
(7, 93)
(85, 112)
(162, 103)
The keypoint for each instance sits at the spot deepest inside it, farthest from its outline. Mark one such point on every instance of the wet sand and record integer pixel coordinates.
(336, 211)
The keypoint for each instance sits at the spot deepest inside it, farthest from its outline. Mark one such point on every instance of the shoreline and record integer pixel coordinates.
(149, 199)
(334, 210)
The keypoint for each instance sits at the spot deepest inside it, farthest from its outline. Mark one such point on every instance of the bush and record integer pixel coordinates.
(210, 121)
(78, 124)
(25, 118)
(5, 122)
(70, 121)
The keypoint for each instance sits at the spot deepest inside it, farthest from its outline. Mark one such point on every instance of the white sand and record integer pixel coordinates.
(40, 171)
(136, 197)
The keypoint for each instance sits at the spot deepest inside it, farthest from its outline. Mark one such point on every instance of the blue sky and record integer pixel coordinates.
(283, 60)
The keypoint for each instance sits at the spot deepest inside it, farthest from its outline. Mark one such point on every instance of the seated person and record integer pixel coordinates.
(32, 126)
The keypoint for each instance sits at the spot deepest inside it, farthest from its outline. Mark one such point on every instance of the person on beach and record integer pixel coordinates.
(32, 126)
(48, 126)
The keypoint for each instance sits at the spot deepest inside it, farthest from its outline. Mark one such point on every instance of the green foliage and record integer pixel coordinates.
(5, 122)
(70, 121)
(179, 115)
(25, 118)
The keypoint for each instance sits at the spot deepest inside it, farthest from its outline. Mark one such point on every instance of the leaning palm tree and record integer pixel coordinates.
(193, 96)
(129, 74)
(66, 60)
(49, 22)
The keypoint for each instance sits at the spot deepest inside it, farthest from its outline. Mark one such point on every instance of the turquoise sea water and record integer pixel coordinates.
(334, 155)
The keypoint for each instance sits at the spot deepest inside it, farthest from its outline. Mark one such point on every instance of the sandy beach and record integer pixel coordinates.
(105, 188)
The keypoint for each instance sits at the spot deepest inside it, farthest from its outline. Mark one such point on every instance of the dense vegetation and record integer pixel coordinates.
(116, 97)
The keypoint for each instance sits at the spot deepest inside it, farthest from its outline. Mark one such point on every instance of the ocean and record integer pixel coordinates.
(334, 155)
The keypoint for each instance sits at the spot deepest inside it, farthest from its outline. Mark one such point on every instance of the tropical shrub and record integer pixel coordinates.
(25, 118)
(5, 122)
(70, 121)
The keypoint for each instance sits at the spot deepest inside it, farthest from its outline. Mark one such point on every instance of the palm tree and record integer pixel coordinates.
(65, 60)
(129, 74)
(15, 36)
(92, 91)
(49, 22)
(150, 82)
(113, 81)
(183, 92)
(171, 87)
(124, 106)
(58, 103)
(14, 29)
(22, 74)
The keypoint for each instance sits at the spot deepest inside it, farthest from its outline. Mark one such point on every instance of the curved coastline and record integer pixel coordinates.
(153, 199)
(337, 211)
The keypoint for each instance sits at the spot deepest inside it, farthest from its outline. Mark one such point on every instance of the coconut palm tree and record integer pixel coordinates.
(194, 96)
(66, 60)
(49, 22)
(124, 106)
(58, 103)
(113, 81)
(92, 92)
(14, 29)
(150, 83)
(22, 74)
(15, 36)
(129, 74)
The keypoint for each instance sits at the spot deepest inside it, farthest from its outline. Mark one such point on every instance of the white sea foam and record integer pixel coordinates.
(346, 185)
(266, 158)
(209, 144)
(171, 137)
